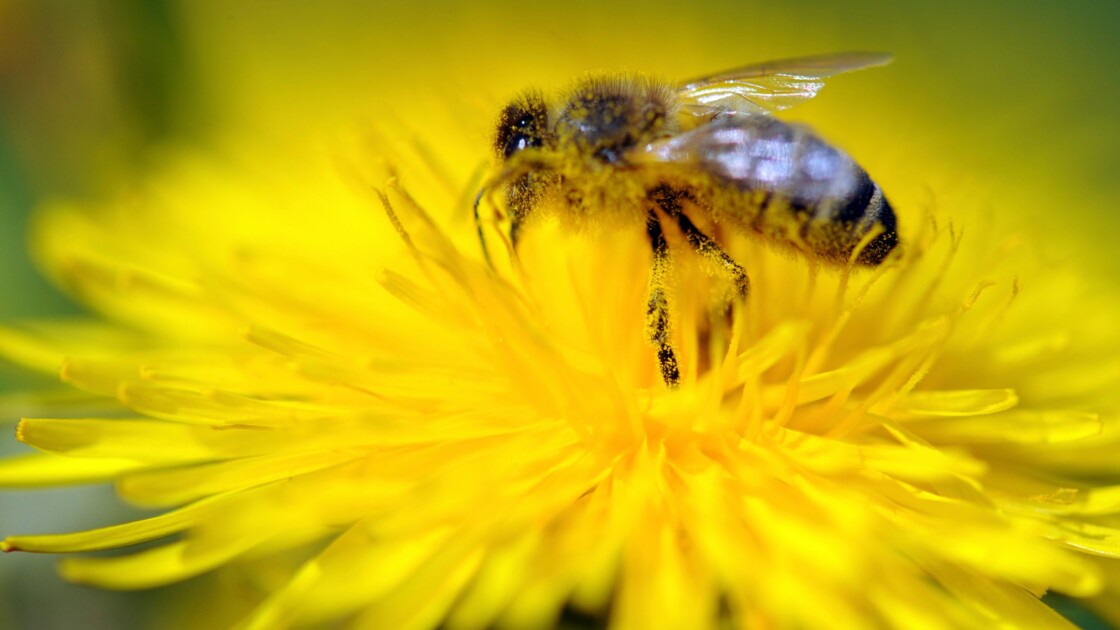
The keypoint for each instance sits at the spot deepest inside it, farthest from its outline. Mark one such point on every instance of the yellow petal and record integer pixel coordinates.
(165, 488)
(1020, 426)
(45, 470)
(952, 403)
(115, 535)
(1102, 540)
(130, 438)
(150, 568)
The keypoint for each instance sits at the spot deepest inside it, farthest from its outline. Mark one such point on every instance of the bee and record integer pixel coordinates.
(632, 148)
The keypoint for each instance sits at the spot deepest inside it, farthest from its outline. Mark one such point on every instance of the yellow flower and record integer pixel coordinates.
(297, 364)
(336, 418)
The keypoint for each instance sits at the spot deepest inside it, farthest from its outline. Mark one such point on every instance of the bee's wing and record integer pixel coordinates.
(770, 86)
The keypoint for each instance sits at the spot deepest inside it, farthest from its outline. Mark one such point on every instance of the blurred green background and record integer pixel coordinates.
(1013, 107)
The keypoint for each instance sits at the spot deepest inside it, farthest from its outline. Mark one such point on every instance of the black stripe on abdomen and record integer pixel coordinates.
(853, 209)
(881, 214)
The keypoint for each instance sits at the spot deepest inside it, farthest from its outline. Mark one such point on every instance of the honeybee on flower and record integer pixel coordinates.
(416, 441)
(646, 152)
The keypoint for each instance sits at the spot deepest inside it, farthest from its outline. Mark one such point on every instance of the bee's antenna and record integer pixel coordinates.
(478, 227)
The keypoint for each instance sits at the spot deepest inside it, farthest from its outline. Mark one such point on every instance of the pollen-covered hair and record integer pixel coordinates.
(606, 115)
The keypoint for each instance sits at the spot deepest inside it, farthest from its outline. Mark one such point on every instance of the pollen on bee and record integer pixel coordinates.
(619, 151)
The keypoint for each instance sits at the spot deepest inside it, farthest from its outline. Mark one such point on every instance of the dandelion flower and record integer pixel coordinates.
(289, 366)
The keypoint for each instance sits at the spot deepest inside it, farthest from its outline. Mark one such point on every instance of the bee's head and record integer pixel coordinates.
(523, 124)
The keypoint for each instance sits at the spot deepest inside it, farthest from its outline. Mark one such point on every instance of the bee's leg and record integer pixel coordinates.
(521, 194)
(657, 309)
(710, 250)
(514, 233)
(478, 227)
(669, 201)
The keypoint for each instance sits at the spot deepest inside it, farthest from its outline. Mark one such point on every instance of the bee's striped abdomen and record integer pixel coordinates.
(794, 186)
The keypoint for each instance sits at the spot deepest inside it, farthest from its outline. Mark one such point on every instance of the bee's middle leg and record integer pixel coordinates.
(711, 251)
(668, 200)
(657, 309)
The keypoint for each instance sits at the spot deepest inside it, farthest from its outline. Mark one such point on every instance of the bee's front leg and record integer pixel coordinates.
(657, 310)
(478, 229)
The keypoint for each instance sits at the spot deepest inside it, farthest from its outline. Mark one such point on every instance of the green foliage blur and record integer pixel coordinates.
(86, 89)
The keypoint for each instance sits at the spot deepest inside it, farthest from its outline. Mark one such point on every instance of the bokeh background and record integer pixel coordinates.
(1008, 111)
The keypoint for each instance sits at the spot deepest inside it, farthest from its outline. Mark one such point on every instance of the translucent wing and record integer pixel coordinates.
(770, 86)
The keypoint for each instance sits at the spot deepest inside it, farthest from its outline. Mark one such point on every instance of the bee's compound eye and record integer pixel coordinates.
(520, 126)
(519, 141)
